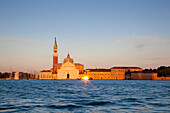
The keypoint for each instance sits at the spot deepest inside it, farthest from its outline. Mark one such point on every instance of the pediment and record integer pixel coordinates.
(68, 65)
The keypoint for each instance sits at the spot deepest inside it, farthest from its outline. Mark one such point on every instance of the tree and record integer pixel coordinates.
(163, 71)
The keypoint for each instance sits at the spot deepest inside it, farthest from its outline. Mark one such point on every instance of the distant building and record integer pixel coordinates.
(16, 76)
(115, 73)
(119, 73)
(143, 76)
(46, 75)
(98, 74)
(66, 70)
(140, 75)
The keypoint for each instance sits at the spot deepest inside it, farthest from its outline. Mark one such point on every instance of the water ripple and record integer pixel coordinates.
(98, 103)
(63, 106)
(80, 96)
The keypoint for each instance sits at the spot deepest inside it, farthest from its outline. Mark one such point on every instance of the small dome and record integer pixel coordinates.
(68, 59)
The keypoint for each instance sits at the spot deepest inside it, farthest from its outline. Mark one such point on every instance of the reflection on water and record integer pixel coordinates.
(84, 96)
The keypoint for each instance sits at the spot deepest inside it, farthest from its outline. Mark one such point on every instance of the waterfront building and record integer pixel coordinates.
(146, 76)
(115, 73)
(45, 74)
(143, 76)
(118, 73)
(66, 70)
(16, 76)
(98, 74)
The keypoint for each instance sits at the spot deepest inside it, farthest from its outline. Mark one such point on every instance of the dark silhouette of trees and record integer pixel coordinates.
(4, 75)
(162, 71)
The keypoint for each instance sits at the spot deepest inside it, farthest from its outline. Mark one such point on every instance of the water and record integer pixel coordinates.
(84, 96)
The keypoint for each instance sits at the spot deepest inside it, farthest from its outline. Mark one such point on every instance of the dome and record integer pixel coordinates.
(68, 59)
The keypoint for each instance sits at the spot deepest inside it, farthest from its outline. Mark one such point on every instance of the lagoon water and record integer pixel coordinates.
(84, 96)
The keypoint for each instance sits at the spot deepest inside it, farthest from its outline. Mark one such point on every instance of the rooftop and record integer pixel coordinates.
(45, 71)
(142, 72)
(126, 68)
(74, 64)
(99, 70)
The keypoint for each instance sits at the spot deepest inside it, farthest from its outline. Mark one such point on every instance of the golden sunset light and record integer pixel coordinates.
(85, 56)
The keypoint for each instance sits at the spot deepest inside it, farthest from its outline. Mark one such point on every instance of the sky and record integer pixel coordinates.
(96, 33)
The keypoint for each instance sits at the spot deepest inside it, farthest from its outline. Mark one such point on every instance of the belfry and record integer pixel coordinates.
(55, 53)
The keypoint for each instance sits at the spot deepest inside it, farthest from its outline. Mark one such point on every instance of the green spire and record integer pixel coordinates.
(55, 44)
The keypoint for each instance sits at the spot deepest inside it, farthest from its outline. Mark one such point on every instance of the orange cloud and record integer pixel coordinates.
(155, 39)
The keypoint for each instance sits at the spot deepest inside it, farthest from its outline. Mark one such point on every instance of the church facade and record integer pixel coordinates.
(68, 70)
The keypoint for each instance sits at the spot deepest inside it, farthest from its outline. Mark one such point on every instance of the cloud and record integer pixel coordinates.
(155, 39)
(23, 41)
(156, 58)
(138, 44)
(119, 41)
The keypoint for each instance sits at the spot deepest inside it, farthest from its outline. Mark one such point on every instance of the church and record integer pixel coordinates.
(68, 70)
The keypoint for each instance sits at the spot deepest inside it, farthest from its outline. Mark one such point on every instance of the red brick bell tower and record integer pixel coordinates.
(55, 54)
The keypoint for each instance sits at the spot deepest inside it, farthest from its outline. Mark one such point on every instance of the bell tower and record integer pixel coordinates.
(55, 53)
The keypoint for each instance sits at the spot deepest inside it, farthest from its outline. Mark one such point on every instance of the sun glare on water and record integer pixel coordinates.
(85, 78)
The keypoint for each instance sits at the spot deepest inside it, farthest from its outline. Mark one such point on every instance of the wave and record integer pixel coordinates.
(98, 103)
(63, 106)
(131, 100)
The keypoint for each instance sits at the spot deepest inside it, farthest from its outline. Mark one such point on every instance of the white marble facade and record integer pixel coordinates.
(68, 70)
